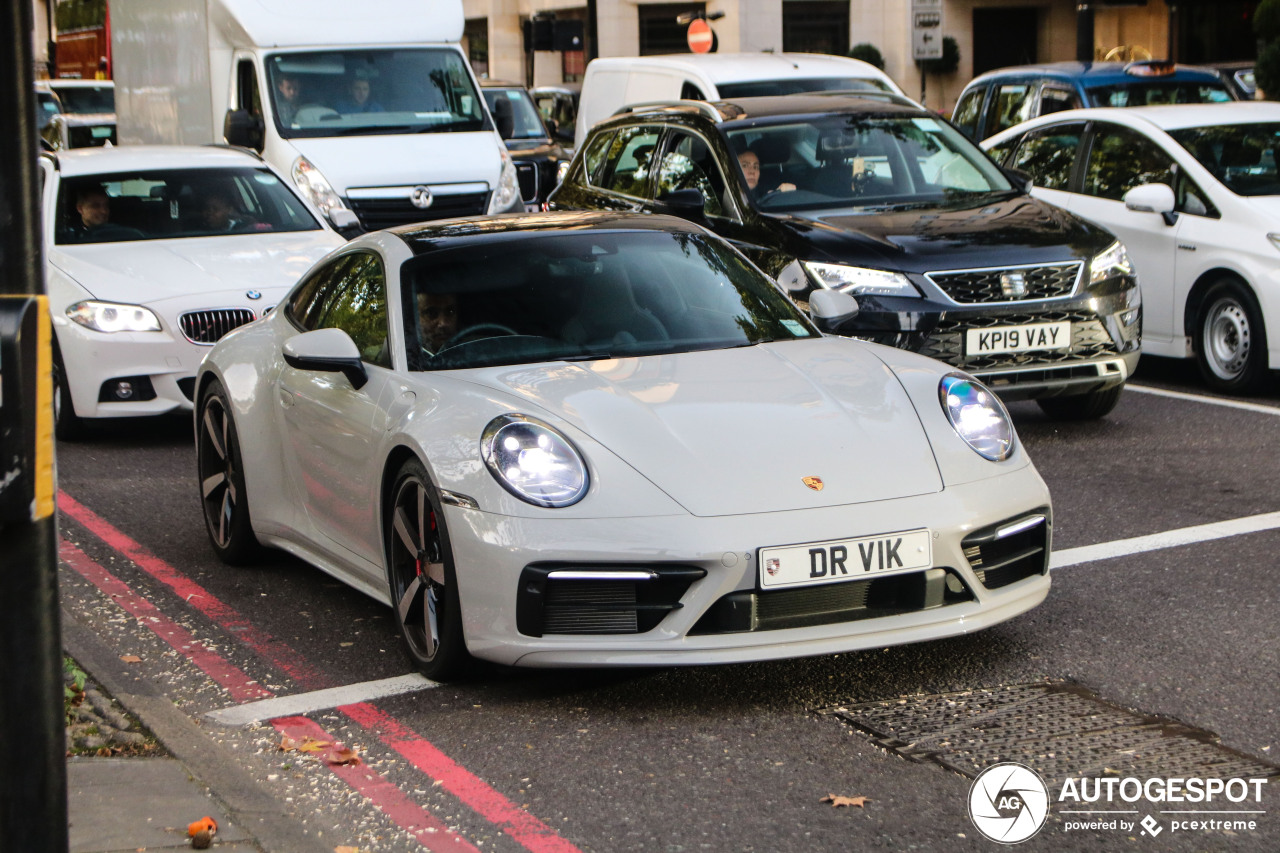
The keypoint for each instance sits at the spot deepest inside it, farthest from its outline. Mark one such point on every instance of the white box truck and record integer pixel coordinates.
(370, 106)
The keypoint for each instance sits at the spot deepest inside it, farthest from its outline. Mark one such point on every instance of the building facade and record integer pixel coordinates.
(989, 33)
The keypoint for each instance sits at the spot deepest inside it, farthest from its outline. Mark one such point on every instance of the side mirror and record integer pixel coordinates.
(687, 204)
(243, 128)
(1019, 179)
(343, 220)
(1152, 198)
(553, 126)
(503, 118)
(830, 309)
(327, 351)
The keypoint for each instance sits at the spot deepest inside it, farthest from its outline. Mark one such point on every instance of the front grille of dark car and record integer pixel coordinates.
(1003, 554)
(527, 173)
(828, 604)
(387, 213)
(555, 605)
(1089, 340)
(208, 327)
(977, 286)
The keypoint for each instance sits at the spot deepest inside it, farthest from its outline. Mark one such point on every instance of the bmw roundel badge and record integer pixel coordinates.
(253, 294)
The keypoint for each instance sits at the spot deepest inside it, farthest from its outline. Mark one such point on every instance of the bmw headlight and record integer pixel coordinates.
(315, 187)
(977, 415)
(508, 191)
(113, 317)
(1111, 261)
(859, 280)
(533, 461)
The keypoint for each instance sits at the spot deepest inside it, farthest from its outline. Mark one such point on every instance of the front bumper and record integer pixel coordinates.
(497, 559)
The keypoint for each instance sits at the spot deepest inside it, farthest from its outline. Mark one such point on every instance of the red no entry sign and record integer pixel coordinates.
(700, 36)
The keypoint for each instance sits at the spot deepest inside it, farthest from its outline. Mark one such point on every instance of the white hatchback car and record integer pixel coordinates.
(152, 254)
(1194, 193)
(607, 440)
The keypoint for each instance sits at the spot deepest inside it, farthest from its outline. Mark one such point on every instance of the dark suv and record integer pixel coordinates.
(876, 197)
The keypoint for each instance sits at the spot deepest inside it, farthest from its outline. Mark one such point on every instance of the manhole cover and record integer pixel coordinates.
(1060, 730)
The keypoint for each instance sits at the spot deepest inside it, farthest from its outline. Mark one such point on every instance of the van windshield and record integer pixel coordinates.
(373, 92)
(791, 86)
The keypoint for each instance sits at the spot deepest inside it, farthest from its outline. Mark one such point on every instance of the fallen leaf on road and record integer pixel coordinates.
(202, 832)
(346, 849)
(837, 802)
(307, 744)
(341, 755)
(130, 658)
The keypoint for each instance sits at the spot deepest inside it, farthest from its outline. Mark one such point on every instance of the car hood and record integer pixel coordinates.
(736, 431)
(997, 230)
(142, 272)
(404, 159)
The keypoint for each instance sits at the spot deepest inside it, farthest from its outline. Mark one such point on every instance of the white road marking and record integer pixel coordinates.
(1166, 539)
(319, 700)
(1257, 408)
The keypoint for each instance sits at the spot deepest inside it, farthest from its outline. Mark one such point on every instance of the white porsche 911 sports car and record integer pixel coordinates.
(152, 253)
(601, 439)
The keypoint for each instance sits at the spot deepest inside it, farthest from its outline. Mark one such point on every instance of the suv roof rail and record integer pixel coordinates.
(672, 106)
(874, 94)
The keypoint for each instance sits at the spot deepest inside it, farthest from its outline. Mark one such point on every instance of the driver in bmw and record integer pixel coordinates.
(437, 319)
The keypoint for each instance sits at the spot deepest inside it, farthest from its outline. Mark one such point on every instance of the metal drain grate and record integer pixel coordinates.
(1060, 730)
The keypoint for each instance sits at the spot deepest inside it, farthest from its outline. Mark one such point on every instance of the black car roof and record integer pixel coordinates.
(430, 236)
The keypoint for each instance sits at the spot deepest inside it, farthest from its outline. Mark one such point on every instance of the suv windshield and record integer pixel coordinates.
(863, 161)
(602, 294)
(351, 92)
(1145, 93)
(1241, 156)
(156, 205)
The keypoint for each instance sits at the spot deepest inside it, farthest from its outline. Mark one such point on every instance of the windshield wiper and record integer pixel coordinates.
(375, 128)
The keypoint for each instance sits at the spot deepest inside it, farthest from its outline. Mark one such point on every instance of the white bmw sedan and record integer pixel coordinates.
(152, 254)
(1193, 191)
(601, 440)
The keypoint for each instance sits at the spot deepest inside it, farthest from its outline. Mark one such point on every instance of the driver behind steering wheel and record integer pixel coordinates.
(437, 319)
(749, 162)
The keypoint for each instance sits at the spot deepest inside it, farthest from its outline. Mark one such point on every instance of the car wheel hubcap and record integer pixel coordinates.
(1227, 339)
(418, 565)
(217, 472)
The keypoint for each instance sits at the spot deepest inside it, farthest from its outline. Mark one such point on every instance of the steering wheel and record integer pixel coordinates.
(461, 336)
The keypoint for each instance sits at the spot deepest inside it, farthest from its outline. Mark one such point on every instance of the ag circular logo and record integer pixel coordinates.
(1008, 803)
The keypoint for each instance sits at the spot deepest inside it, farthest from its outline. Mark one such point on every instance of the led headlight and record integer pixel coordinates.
(533, 461)
(977, 415)
(860, 280)
(315, 187)
(113, 317)
(1111, 261)
(508, 191)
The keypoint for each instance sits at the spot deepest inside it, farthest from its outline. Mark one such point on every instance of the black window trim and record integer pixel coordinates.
(648, 185)
(664, 146)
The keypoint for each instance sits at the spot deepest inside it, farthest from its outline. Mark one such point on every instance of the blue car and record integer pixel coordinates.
(1007, 96)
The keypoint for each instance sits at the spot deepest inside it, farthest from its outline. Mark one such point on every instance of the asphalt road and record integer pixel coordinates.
(732, 758)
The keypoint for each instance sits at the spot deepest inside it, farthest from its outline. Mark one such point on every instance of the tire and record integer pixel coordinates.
(1082, 407)
(222, 491)
(424, 589)
(67, 426)
(1231, 340)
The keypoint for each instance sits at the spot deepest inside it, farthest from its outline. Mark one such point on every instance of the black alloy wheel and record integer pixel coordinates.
(1231, 340)
(67, 426)
(222, 490)
(424, 589)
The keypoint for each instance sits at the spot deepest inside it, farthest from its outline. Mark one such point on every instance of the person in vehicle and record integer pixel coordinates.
(749, 161)
(95, 225)
(288, 97)
(359, 97)
(219, 214)
(437, 319)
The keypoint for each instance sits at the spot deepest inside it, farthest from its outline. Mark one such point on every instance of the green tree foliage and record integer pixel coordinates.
(870, 53)
(73, 14)
(950, 60)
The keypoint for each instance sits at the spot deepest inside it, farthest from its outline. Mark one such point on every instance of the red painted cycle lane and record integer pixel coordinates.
(530, 832)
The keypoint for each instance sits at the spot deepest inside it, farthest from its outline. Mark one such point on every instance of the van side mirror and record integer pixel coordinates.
(344, 221)
(687, 203)
(1020, 179)
(243, 128)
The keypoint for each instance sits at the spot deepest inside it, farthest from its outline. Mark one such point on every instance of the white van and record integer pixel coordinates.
(614, 82)
(386, 119)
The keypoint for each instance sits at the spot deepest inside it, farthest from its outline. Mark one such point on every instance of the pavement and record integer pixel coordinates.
(125, 805)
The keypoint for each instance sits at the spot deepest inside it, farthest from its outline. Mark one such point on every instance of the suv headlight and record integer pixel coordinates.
(977, 416)
(113, 317)
(1111, 261)
(533, 461)
(860, 280)
(508, 191)
(314, 187)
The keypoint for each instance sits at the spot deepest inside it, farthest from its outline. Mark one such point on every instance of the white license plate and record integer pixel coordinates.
(845, 559)
(1032, 336)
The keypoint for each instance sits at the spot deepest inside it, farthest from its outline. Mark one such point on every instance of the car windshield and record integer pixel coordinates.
(862, 161)
(525, 121)
(1146, 92)
(87, 100)
(793, 86)
(1241, 156)
(359, 92)
(520, 299)
(161, 205)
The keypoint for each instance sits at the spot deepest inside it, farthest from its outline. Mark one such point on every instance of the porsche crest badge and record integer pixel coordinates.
(814, 483)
